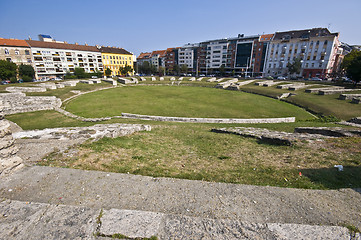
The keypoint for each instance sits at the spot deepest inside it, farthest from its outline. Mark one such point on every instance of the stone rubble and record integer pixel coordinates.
(316, 90)
(93, 132)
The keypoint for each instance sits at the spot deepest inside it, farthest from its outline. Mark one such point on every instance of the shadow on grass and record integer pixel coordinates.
(331, 178)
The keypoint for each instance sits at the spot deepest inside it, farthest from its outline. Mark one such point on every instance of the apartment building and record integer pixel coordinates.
(114, 58)
(16, 51)
(144, 57)
(317, 48)
(171, 59)
(187, 55)
(54, 59)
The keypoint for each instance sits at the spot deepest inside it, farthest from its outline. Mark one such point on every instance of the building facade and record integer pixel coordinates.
(52, 59)
(16, 51)
(316, 48)
(114, 58)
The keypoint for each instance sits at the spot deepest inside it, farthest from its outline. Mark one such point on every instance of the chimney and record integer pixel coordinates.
(30, 38)
(76, 43)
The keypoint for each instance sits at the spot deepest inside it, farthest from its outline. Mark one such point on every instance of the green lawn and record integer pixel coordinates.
(321, 104)
(182, 101)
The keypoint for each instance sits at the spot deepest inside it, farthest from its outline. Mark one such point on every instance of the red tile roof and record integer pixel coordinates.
(144, 55)
(13, 42)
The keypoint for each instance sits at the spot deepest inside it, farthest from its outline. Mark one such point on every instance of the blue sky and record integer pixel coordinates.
(145, 25)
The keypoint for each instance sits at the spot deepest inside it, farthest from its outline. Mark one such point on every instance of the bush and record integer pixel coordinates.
(27, 78)
(13, 80)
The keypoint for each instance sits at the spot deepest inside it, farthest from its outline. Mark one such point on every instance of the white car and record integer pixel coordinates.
(281, 78)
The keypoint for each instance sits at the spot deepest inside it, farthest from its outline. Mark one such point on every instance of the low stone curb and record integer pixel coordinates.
(208, 120)
(29, 220)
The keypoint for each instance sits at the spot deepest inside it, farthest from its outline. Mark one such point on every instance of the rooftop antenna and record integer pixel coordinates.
(328, 26)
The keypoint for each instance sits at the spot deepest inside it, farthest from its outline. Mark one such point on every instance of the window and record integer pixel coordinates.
(314, 57)
(6, 51)
(8, 59)
(17, 52)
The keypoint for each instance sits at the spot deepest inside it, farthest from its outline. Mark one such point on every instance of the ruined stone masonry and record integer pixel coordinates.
(18, 103)
(8, 161)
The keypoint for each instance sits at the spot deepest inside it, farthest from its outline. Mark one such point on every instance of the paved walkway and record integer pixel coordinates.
(69, 202)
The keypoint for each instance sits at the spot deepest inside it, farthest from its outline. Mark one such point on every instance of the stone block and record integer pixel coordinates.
(349, 96)
(334, 91)
(25, 89)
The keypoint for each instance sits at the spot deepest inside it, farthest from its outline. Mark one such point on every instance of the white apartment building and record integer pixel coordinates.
(217, 53)
(187, 55)
(317, 48)
(56, 59)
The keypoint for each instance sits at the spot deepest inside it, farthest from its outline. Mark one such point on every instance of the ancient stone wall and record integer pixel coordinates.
(208, 120)
(18, 102)
(8, 161)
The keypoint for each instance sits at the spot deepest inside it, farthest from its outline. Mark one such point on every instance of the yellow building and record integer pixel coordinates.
(114, 58)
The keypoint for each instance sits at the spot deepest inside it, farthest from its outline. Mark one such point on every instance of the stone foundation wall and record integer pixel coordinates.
(208, 120)
(18, 103)
(8, 161)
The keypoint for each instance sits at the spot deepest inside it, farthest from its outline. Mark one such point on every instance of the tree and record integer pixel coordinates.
(349, 57)
(108, 72)
(80, 72)
(161, 71)
(125, 70)
(295, 67)
(353, 69)
(176, 69)
(26, 72)
(184, 68)
(7, 70)
(222, 70)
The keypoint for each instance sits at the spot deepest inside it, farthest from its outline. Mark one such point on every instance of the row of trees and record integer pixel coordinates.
(123, 70)
(10, 71)
(148, 68)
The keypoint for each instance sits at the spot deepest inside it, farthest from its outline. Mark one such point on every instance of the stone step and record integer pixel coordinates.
(207, 200)
(31, 220)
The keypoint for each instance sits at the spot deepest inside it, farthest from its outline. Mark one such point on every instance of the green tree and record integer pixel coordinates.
(353, 70)
(80, 72)
(7, 70)
(128, 69)
(295, 66)
(26, 72)
(108, 72)
(222, 70)
(184, 68)
(176, 69)
(349, 58)
(161, 71)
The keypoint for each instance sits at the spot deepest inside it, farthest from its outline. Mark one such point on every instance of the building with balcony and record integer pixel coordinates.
(114, 58)
(317, 48)
(55, 59)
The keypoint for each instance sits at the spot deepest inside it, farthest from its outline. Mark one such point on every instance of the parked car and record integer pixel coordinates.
(316, 79)
(269, 78)
(4, 82)
(281, 78)
(202, 75)
(94, 77)
(259, 77)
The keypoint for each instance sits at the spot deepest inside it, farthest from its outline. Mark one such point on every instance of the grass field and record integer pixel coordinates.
(182, 101)
(325, 105)
(192, 151)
